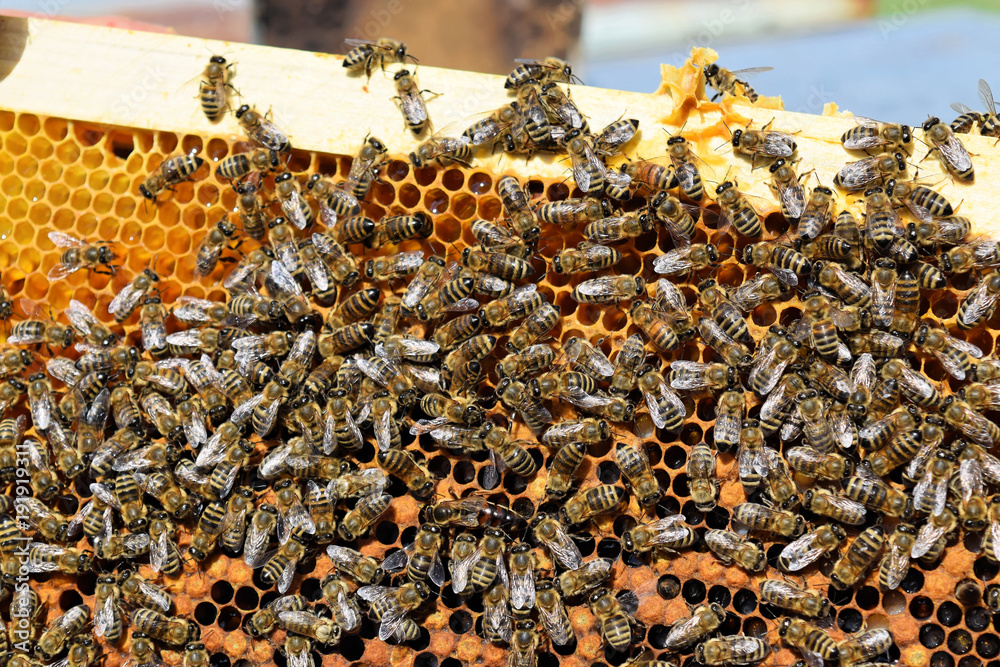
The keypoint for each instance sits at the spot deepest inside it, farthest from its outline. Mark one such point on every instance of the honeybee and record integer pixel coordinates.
(736, 210)
(663, 535)
(130, 296)
(722, 81)
(239, 165)
(307, 624)
(803, 601)
(169, 630)
(698, 376)
(703, 621)
(214, 87)
(358, 521)
(789, 190)
(421, 558)
(401, 463)
(666, 409)
(79, 255)
(838, 508)
(865, 646)
(552, 613)
(810, 547)
(614, 617)
(550, 69)
(863, 173)
(523, 645)
(701, 477)
(609, 289)
(738, 650)
(588, 169)
(781, 261)
(367, 54)
(61, 631)
(391, 606)
(551, 534)
(882, 136)
(262, 131)
(766, 519)
(351, 563)
(860, 555)
(172, 171)
(590, 502)
(442, 151)
(748, 553)
(411, 101)
(952, 153)
(896, 562)
(980, 302)
(962, 417)
(815, 644)
(280, 567)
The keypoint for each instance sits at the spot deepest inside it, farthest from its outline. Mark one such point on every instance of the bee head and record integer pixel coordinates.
(242, 110)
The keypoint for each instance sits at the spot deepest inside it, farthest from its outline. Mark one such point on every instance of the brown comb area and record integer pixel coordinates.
(83, 179)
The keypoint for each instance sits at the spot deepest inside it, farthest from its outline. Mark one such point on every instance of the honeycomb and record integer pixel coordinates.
(83, 179)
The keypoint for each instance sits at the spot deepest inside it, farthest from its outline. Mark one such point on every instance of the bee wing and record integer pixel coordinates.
(558, 630)
(990, 467)
(192, 309)
(76, 523)
(349, 618)
(413, 106)
(522, 589)
(674, 261)
(802, 552)
(953, 369)
(300, 659)
(778, 144)
(460, 570)
(41, 410)
(497, 619)
(683, 633)
(104, 493)
(581, 173)
(689, 376)
(383, 430)
(976, 427)
(883, 303)
(292, 205)
(978, 303)
(105, 616)
(287, 575)
(955, 153)
(245, 409)
(564, 550)
(598, 286)
(844, 431)
(80, 317)
(159, 551)
(63, 369)
(856, 175)
(63, 240)
(156, 595)
(930, 533)
(964, 346)
(125, 301)
(461, 306)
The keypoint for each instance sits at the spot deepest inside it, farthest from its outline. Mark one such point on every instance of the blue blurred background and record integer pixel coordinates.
(894, 60)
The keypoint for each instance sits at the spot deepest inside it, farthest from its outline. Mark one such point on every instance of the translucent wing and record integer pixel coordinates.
(105, 616)
(667, 530)
(155, 595)
(65, 240)
(564, 550)
(255, 545)
(930, 533)
(349, 618)
(287, 575)
(856, 175)
(192, 309)
(496, 621)
(555, 626)
(683, 633)
(955, 153)
(522, 589)
(383, 430)
(883, 303)
(673, 262)
(802, 552)
(779, 143)
(125, 301)
(460, 570)
(159, 551)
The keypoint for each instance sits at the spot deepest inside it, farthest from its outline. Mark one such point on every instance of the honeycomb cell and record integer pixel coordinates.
(489, 208)
(436, 201)
(17, 208)
(453, 179)
(39, 214)
(6, 120)
(41, 148)
(464, 206)
(409, 195)
(50, 170)
(15, 144)
(68, 152)
(6, 163)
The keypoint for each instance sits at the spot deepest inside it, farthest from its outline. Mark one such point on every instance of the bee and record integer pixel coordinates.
(675, 217)
(809, 639)
(969, 256)
(626, 367)
(614, 617)
(164, 556)
(344, 608)
(958, 357)
(422, 558)
(496, 126)
(698, 376)
(239, 165)
(737, 210)
(552, 535)
(590, 502)
(588, 169)
(896, 561)
(307, 624)
(107, 618)
(140, 592)
(980, 302)
(663, 535)
(411, 101)
(563, 468)
(358, 521)
(401, 463)
(61, 631)
(634, 465)
(852, 290)
(953, 154)
(748, 553)
(729, 350)
(39, 330)
(368, 55)
(298, 651)
(736, 650)
(763, 142)
(351, 563)
(666, 409)
(511, 452)
(211, 247)
(552, 613)
(78, 255)
(884, 137)
(863, 173)
(838, 508)
(394, 229)
(779, 260)
(442, 151)
(609, 289)
(704, 620)
(766, 519)
(860, 555)
(130, 296)
(722, 81)
(523, 645)
(549, 70)
(172, 171)
(390, 606)
(280, 568)
(531, 361)
(810, 547)
(496, 614)
(169, 630)
(576, 582)
(865, 646)
(588, 431)
(803, 601)
(701, 477)
(214, 87)
(393, 267)
(962, 417)
(561, 109)
(262, 131)
(789, 190)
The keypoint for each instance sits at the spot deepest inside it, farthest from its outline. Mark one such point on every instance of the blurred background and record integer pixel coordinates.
(894, 60)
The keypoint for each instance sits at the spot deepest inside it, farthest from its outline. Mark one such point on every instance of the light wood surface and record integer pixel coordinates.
(145, 80)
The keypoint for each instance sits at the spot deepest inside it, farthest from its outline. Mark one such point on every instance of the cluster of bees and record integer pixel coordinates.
(245, 423)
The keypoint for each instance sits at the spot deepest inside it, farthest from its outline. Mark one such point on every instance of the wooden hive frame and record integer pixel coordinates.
(105, 80)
